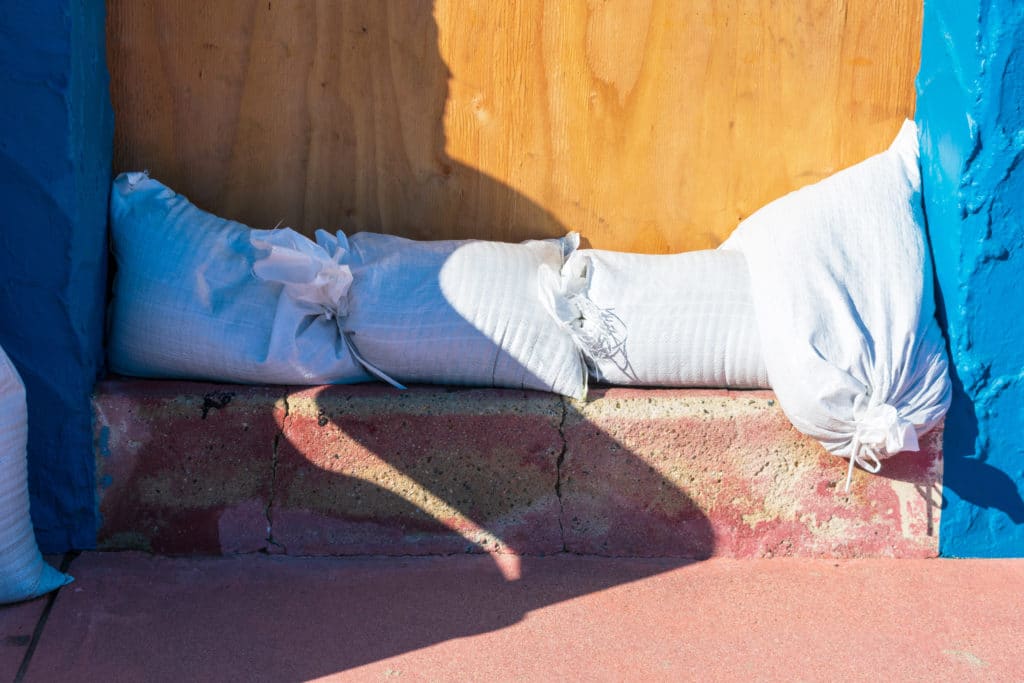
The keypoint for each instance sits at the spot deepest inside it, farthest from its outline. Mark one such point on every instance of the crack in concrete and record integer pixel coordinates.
(37, 632)
(558, 471)
(272, 543)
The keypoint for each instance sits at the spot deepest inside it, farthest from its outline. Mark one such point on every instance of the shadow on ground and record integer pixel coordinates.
(254, 618)
(419, 483)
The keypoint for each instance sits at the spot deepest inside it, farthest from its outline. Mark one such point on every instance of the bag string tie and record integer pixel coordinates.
(598, 332)
(314, 277)
(879, 433)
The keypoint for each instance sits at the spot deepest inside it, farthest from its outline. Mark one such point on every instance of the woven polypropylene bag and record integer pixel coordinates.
(460, 312)
(682, 320)
(23, 573)
(187, 302)
(845, 307)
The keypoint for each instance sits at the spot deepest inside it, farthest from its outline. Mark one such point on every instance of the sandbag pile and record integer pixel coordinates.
(199, 297)
(824, 295)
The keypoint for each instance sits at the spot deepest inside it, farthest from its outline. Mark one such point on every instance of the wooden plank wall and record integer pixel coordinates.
(647, 125)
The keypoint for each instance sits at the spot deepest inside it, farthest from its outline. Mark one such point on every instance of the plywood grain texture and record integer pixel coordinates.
(647, 125)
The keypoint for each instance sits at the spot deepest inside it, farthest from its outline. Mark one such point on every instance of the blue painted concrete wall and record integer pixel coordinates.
(56, 132)
(971, 113)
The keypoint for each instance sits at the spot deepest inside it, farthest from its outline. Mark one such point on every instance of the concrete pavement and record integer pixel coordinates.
(134, 617)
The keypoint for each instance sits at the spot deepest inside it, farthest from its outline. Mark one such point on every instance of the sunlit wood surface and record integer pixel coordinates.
(647, 125)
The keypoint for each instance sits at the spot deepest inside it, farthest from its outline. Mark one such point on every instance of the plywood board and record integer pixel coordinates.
(647, 125)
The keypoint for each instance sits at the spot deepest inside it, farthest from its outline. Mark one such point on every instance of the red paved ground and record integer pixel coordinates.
(17, 622)
(134, 617)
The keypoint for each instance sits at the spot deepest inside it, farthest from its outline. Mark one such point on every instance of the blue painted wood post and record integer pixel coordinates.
(56, 131)
(971, 113)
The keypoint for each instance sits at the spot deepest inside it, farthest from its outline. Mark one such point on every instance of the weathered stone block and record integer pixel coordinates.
(368, 470)
(184, 467)
(696, 473)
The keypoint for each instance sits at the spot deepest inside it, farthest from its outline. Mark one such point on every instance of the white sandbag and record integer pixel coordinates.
(845, 306)
(187, 303)
(460, 312)
(23, 572)
(684, 320)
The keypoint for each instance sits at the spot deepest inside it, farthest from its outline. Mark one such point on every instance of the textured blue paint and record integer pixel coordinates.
(56, 130)
(971, 114)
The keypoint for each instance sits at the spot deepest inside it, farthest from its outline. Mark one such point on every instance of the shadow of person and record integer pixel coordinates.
(371, 113)
(490, 479)
(519, 475)
(355, 471)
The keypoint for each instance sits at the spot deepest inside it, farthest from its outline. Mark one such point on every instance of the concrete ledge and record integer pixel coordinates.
(370, 470)
(184, 467)
(366, 470)
(695, 473)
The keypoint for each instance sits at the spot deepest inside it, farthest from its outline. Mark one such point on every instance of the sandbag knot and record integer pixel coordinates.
(312, 276)
(879, 432)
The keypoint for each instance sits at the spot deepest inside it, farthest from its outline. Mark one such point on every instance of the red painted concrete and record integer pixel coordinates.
(367, 470)
(372, 471)
(184, 467)
(700, 473)
(133, 617)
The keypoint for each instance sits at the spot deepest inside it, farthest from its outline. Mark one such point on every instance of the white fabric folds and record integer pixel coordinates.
(199, 297)
(23, 572)
(314, 276)
(460, 312)
(682, 320)
(845, 307)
